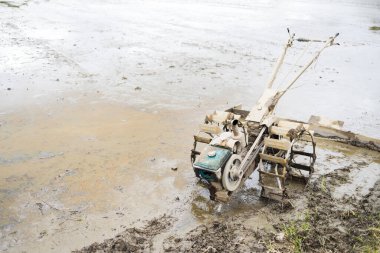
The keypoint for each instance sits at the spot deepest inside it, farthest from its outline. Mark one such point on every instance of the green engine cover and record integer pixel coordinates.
(212, 163)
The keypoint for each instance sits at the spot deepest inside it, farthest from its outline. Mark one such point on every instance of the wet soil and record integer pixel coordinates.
(321, 224)
(133, 239)
(73, 172)
(99, 100)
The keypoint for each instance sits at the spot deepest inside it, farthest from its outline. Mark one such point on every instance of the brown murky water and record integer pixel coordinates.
(95, 112)
(84, 166)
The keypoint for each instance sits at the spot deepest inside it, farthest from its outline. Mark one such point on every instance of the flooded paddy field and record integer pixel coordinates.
(99, 101)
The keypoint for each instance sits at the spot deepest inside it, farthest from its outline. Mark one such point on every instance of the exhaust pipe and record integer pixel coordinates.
(235, 128)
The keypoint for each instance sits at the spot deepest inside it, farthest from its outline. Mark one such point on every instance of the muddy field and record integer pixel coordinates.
(99, 101)
(323, 216)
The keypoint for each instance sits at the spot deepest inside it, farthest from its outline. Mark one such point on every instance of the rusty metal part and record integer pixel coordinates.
(248, 156)
(278, 160)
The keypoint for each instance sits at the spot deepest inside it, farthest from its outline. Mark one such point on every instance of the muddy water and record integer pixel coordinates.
(88, 168)
(99, 99)
(194, 54)
(361, 168)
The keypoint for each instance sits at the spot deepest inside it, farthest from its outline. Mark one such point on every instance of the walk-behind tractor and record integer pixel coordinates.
(238, 142)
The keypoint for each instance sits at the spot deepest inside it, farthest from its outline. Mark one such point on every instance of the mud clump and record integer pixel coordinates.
(372, 201)
(336, 225)
(225, 236)
(132, 239)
